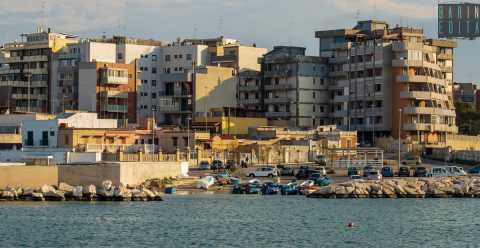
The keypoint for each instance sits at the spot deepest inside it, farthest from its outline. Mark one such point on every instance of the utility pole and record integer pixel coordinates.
(399, 134)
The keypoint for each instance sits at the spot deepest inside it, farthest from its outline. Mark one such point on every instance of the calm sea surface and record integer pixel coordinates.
(243, 221)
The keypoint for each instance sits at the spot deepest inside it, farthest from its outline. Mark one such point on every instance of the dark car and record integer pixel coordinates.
(285, 170)
(474, 170)
(231, 164)
(216, 165)
(404, 171)
(352, 171)
(387, 171)
(421, 172)
(302, 173)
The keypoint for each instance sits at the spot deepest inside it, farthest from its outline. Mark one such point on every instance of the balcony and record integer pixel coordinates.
(18, 59)
(445, 56)
(340, 113)
(430, 127)
(339, 46)
(117, 108)
(337, 74)
(249, 101)
(36, 84)
(279, 87)
(116, 94)
(405, 46)
(338, 60)
(414, 63)
(277, 114)
(248, 88)
(428, 111)
(419, 79)
(343, 98)
(423, 95)
(277, 100)
(31, 96)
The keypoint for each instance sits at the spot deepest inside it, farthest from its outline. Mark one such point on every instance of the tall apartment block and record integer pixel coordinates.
(199, 74)
(385, 79)
(105, 75)
(25, 71)
(290, 88)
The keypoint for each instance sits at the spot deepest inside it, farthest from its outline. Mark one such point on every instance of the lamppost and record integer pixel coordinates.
(399, 134)
(153, 128)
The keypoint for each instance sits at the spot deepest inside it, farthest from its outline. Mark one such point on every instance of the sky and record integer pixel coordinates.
(264, 22)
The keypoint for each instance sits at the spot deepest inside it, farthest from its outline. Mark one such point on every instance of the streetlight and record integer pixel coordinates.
(399, 134)
(153, 128)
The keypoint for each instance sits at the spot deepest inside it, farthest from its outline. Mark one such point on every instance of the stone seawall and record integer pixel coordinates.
(403, 188)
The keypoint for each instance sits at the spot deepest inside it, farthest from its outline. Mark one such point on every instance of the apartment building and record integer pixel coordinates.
(294, 91)
(381, 76)
(207, 67)
(25, 70)
(117, 70)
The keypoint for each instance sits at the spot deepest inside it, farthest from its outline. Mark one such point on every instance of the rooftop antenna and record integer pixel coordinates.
(42, 21)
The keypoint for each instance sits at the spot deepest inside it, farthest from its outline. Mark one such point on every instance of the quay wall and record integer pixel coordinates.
(127, 173)
(28, 176)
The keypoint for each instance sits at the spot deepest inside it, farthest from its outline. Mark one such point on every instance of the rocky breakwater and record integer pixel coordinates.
(62, 192)
(437, 187)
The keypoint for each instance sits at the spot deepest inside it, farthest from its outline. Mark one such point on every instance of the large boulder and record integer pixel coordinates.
(46, 188)
(27, 194)
(54, 195)
(107, 185)
(122, 193)
(67, 189)
(9, 194)
(77, 193)
(37, 196)
(139, 195)
(388, 189)
(341, 192)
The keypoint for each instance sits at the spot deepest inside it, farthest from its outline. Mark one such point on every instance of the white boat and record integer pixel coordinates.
(205, 182)
(307, 184)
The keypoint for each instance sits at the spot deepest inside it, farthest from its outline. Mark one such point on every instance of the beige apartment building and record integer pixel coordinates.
(381, 76)
(25, 71)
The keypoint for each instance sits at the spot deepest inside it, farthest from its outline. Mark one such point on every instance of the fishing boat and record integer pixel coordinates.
(270, 188)
(205, 182)
(289, 189)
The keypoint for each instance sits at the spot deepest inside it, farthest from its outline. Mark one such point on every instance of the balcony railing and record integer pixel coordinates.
(429, 111)
(425, 95)
(277, 100)
(117, 108)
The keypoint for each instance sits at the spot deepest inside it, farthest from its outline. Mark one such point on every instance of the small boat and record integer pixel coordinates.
(270, 188)
(323, 181)
(235, 181)
(170, 190)
(254, 181)
(306, 186)
(289, 189)
(205, 182)
(238, 189)
(253, 189)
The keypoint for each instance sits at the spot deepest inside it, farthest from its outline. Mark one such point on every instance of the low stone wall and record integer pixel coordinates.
(403, 188)
(126, 173)
(28, 176)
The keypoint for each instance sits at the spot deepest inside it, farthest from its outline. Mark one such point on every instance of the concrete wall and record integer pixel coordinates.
(28, 176)
(87, 98)
(131, 173)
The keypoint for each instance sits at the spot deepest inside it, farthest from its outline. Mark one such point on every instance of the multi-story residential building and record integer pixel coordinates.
(135, 59)
(185, 72)
(25, 70)
(294, 91)
(381, 76)
(249, 90)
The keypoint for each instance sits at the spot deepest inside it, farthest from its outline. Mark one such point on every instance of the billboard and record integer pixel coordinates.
(458, 20)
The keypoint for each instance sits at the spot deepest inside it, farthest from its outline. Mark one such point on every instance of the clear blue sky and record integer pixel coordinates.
(264, 22)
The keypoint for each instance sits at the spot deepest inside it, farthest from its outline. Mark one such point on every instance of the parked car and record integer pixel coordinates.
(204, 165)
(367, 170)
(284, 170)
(474, 170)
(411, 160)
(404, 171)
(355, 177)
(439, 172)
(231, 164)
(387, 171)
(302, 173)
(374, 175)
(263, 172)
(352, 171)
(455, 171)
(421, 172)
(217, 165)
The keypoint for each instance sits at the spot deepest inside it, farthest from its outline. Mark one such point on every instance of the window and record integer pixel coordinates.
(189, 56)
(154, 82)
(313, 95)
(44, 141)
(175, 56)
(120, 56)
(180, 56)
(277, 81)
(154, 70)
(167, 57)
(378, 87)
(154, 95)
(175, 141)
(52, 133)
(29, 138)
(154, 57)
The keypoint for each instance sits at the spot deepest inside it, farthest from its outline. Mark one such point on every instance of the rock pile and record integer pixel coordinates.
(107, 192)
(438, 187)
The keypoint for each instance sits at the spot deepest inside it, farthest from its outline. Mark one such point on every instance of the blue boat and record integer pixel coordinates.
(289, 189)
(323, 181)
(253, 189)
(238, 189)
(270, 188)
(170, 190)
